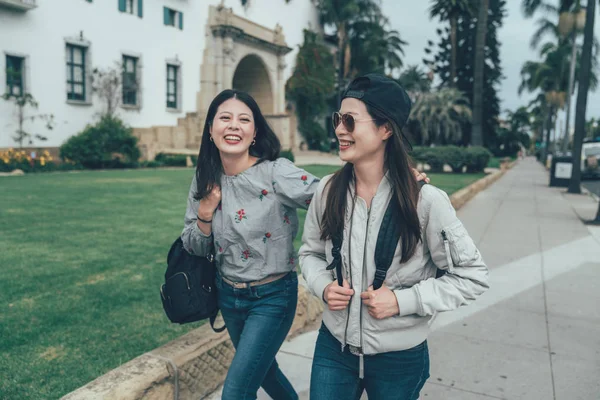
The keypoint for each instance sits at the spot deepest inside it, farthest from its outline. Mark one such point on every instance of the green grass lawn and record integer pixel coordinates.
(82, 258)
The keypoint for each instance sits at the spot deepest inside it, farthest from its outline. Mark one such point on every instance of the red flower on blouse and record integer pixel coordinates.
(267, 236)
(241, 214)
(263, 193)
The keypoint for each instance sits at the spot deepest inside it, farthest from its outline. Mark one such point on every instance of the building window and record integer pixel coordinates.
(76, 72)
(131, 7)
(14, 75)
(173, 18)
(172, 83)
(130, 81)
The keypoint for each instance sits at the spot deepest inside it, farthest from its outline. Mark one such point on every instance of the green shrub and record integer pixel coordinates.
(287, 154)
(107, 144)
(433, 157)
(418, 153)
(173, 160)
(453, 156)
(152, 164)
(477, 158)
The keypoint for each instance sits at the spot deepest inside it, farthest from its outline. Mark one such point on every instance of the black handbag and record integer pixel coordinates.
(189, 293)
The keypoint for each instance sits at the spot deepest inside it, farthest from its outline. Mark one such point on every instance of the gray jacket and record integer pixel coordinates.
(254, 227)
(446, 245)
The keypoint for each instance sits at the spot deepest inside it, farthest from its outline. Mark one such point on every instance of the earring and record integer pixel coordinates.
(211, 139)
(253, 142)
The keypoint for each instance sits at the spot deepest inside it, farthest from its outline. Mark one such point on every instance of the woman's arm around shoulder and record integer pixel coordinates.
(293, 186)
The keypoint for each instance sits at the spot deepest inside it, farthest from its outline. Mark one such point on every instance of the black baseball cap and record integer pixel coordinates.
(383, 94)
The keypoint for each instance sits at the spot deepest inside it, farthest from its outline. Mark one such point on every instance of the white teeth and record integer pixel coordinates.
(229, 137)
(345, 143)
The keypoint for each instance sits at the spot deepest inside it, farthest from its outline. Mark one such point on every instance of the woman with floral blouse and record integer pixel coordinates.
(242, 202)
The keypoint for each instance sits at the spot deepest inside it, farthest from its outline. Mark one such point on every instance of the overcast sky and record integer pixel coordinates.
(411, 19)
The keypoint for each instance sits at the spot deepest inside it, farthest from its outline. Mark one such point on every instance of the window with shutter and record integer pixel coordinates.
(130, 81)
(172, 82)
(14, 75)
(76, 73)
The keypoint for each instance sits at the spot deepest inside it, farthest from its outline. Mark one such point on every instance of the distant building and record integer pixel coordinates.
(181, 53)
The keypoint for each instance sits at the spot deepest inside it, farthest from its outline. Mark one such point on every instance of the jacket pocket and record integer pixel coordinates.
(458, 245)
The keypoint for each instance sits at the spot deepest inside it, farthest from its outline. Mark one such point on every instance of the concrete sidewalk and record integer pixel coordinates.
(536, 333)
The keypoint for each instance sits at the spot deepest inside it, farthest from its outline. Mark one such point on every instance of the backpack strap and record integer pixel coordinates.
(387, 241)
(212, 324)
(336, 263)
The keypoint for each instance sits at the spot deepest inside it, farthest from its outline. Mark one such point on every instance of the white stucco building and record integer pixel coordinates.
(176, 49)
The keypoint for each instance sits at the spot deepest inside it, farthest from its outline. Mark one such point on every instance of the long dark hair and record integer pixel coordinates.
(404, 187)
(210, 168)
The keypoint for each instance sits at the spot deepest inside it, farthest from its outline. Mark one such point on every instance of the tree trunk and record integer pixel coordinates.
(476, 128)
(341, 59)
(548, 128)
(582, 94)
(565, 144)
(453, 50)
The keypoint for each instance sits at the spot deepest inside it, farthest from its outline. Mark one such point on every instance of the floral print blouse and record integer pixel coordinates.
(255, 224)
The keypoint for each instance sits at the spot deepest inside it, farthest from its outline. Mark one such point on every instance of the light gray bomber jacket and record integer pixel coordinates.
(445, 244)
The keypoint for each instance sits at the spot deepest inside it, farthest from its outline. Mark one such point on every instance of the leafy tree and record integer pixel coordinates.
(310, 86)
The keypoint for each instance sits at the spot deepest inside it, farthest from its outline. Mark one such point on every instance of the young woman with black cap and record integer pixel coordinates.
(375, 339)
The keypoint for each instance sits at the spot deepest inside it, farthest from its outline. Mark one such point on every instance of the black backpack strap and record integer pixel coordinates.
(336, 240)
(387, 241)
(212, 324)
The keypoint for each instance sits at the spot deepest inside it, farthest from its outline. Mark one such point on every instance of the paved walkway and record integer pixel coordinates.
(535, 334)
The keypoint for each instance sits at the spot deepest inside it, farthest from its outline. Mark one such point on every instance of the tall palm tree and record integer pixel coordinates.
(340, 14)
(415, 81)
(451, 10)
(476, 127)
(567, 29)
(374, 48)
(582, 93)
(530, 7)
(440, 115)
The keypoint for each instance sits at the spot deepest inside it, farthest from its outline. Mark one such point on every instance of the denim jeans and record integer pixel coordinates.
(258, 319)
(396, 375)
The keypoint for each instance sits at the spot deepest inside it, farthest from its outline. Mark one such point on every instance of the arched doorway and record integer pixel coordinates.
(252, 77)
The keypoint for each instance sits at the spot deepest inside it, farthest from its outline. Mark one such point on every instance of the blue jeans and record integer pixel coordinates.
(258, 320)
(396, 375)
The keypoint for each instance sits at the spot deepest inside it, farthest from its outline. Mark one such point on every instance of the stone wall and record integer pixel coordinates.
(190, 367)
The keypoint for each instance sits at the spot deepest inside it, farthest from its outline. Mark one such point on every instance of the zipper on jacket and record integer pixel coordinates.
(447, 249)
(349, 270)
(361, 361)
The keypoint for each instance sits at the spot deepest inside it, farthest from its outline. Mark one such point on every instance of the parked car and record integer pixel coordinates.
(590, 159)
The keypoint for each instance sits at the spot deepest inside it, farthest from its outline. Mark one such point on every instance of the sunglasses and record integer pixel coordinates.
(346, 119)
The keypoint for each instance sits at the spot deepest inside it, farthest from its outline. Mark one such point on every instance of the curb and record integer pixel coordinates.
(460, 198)
(190, 367)
(194, 365)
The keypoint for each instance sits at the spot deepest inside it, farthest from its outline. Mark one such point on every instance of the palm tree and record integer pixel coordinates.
(440, 115)
(415, 81)
(476, 127)
(374, 48)
(582, 93)
(340, 14)
(530, 7)
(450, 10)
(567, 29)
